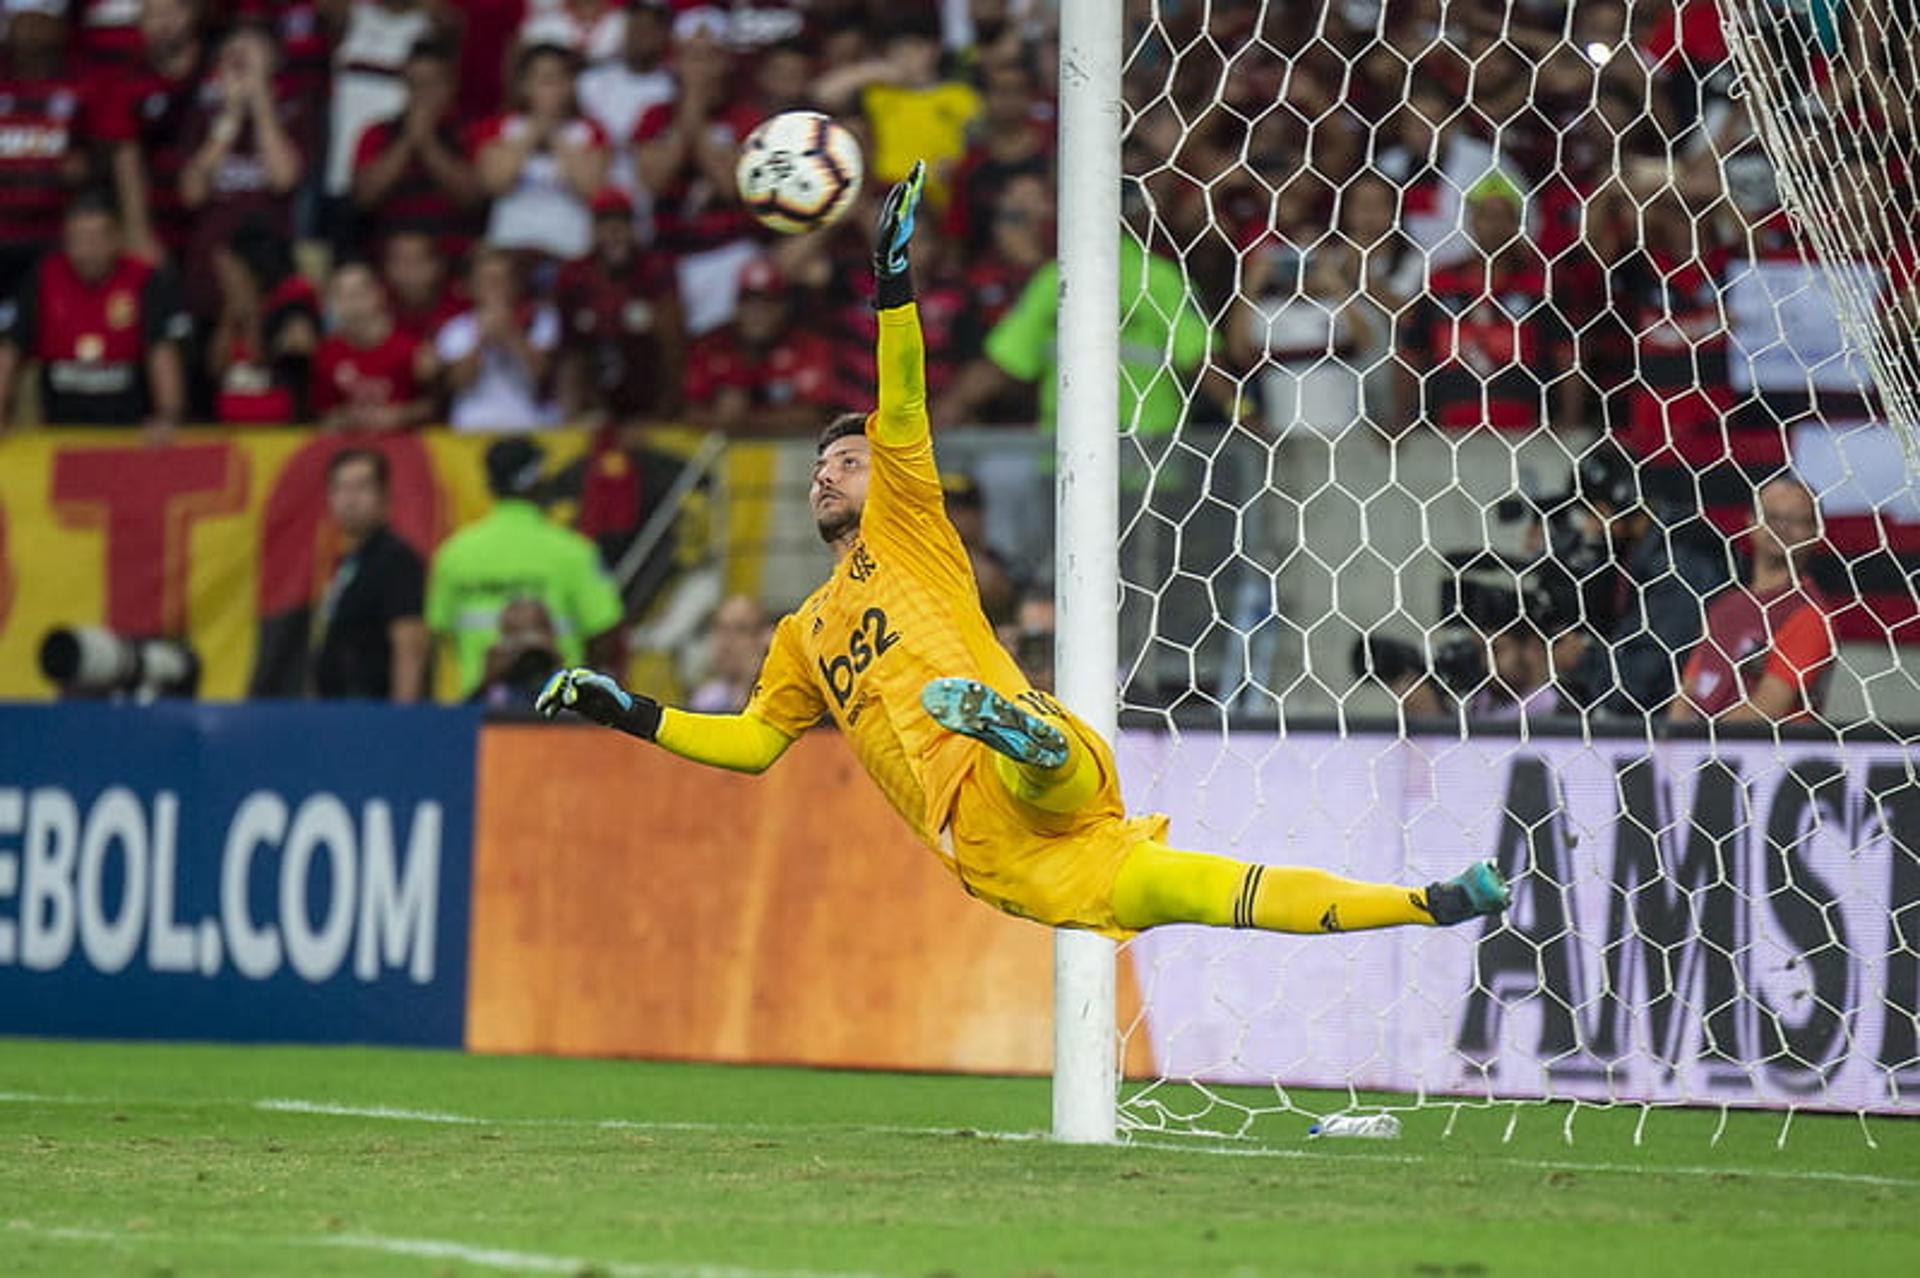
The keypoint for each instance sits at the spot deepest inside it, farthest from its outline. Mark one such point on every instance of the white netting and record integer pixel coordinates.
(1493, 449)
(1832, 94)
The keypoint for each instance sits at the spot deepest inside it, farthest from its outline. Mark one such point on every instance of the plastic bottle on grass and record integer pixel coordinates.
(1358, 1126)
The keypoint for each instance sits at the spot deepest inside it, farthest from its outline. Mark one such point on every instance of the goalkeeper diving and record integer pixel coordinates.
(1019, 798)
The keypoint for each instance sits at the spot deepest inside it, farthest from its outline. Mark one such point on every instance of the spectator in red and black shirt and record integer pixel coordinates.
(685, 153)
(245, 160)
(1666, 287)
(104, 327)
(623, 346)
(1484, 347)
(1012, 138)
(305, 70)
(39, 106)
(487, 30)
(414, 271)
(1020, 241)
(142, 118)
(366, 374)
(761, 375)
(412, 172)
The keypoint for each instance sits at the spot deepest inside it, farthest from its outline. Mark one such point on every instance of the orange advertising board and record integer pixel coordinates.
(628, 903)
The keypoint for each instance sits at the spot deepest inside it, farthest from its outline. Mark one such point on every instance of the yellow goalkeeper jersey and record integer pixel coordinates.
(899, 611)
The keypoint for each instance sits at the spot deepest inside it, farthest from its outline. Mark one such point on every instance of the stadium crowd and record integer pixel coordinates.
(509, 214)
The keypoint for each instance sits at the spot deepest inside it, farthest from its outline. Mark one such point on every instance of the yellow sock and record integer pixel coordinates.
(1062, 790)
(1158, 884)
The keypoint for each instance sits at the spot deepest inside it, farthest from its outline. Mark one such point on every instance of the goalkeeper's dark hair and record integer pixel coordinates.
(839, 428)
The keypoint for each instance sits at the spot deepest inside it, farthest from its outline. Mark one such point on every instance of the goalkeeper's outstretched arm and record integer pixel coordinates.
(738, 742)
(900, 416)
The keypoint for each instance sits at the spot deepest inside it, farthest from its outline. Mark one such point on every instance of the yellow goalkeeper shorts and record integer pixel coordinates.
(1052, 868)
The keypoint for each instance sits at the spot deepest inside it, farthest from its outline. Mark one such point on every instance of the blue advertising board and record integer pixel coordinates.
(290, 873)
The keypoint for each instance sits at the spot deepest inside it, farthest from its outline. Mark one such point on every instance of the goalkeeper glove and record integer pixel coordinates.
(893, 282)
(594, 696)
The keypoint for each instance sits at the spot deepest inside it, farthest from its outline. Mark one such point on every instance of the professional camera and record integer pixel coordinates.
(1485, 594)
(1387, 659)
(94, 662)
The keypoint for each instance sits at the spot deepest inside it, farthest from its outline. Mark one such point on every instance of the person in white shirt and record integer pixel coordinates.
(498, 357)
(615, 94)
(367, 76)
(542, 161)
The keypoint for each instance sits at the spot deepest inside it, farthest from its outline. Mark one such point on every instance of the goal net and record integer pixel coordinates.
(1832, 97)
(1510, 469)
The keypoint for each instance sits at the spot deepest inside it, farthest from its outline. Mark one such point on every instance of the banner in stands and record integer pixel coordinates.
(250, 873)
(1715, 924)
(222, 538)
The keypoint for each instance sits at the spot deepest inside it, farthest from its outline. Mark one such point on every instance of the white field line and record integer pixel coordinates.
(68, 1233)
(539, 1262)
(513, 1260)
(295, 1105)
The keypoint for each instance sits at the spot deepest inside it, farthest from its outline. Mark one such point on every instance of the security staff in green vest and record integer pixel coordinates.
(514, 553)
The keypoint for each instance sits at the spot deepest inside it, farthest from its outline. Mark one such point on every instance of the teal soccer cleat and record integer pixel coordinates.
(972, 709)
(1475, 891)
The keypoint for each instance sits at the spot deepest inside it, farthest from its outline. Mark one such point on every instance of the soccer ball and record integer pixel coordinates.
(799, 172)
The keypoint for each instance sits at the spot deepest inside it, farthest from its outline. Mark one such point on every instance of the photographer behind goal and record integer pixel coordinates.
(1493, 659)
(1597, 616)
(1631, 571)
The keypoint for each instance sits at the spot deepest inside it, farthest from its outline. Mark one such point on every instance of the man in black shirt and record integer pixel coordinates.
(371, 640)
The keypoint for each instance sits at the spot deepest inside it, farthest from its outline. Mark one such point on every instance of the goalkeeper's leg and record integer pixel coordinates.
(1049, 768)
(1159, 885)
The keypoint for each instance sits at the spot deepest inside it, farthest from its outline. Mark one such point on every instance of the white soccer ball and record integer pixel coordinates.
(799, 172)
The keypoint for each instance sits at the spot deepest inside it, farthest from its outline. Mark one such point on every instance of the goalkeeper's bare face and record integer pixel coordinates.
(839, 491)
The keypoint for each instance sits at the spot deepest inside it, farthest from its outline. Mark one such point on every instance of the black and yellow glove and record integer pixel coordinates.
(595, 696)
(892, 276)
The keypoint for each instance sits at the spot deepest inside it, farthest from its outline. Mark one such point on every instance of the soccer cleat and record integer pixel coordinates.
(972, 709)
(1474, 891)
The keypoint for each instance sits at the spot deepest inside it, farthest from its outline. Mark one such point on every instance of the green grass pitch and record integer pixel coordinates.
(190, 1160)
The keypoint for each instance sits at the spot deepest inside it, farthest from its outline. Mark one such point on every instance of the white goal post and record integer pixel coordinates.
(1087, 564)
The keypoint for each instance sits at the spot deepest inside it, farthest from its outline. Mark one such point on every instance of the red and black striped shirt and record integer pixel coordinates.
(306, 60)
(156, 113)
(1489, 345)
(107, 36)
(38, 121)
(1681, 390)
(417, 202)
(691, 213)
(614, 317)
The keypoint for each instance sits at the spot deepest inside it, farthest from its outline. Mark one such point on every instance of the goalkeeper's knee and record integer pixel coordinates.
(1158, 884)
